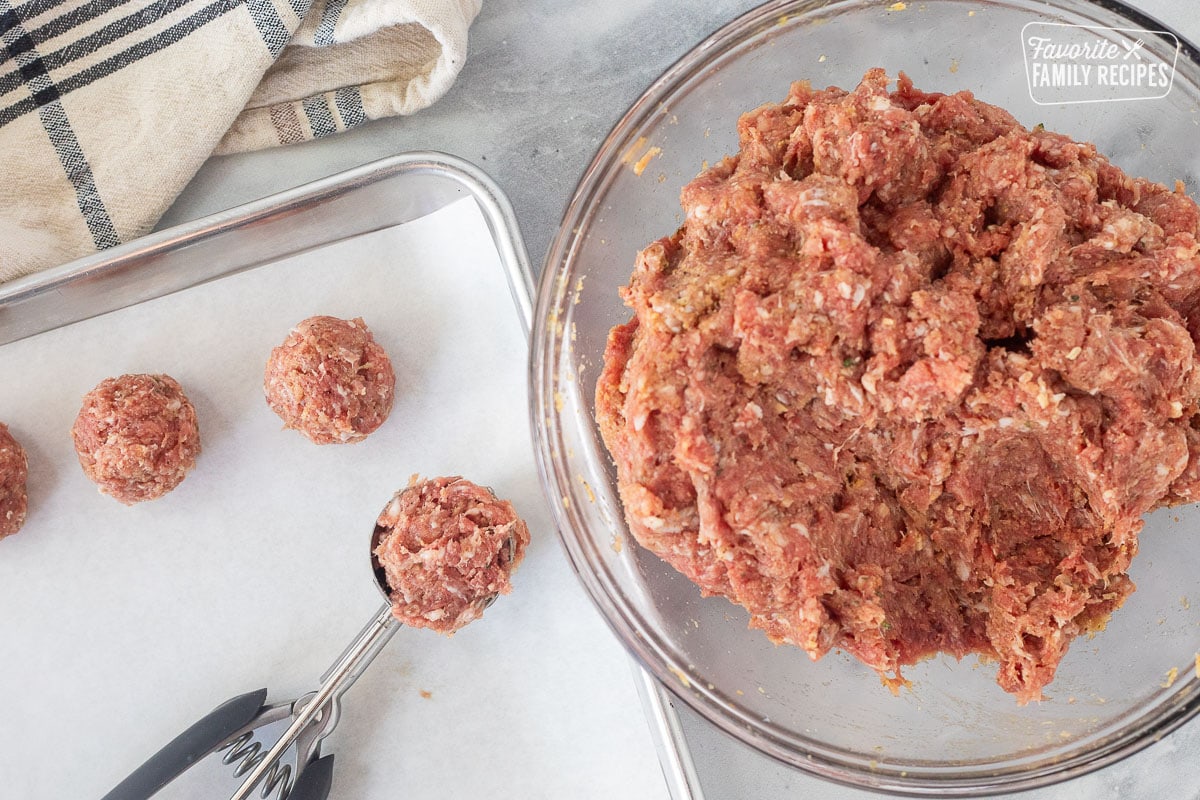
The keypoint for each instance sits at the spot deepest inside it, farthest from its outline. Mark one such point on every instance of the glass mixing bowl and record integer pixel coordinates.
(954, 732)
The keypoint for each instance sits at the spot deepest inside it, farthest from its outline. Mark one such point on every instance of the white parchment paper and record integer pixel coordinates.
(121, 626)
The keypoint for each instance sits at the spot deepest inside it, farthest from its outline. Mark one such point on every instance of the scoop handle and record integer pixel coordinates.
(348, 667)
(189, 747)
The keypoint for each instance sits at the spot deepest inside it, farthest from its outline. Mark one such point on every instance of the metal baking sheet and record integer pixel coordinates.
(124, 625)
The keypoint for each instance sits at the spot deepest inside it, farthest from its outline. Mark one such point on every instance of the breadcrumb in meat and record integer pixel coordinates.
(136, 436)
(907, 378)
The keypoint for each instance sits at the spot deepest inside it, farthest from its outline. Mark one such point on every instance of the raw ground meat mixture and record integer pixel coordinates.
(330, 380)
(136, 436)
(447, 547)
(13, 473)
(908, 377)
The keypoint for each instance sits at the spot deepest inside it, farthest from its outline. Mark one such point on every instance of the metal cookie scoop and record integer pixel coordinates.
(231, 729)
(315, 715)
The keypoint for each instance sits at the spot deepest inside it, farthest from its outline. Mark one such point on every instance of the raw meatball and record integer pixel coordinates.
(136, 436)
(908, 377)
(330, 380)
(13, 472)
(447, 548)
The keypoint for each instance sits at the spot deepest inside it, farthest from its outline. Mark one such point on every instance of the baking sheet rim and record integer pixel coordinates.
(90, 273)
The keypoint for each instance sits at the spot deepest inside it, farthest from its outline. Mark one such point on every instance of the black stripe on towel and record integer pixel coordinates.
(349, 106)
(100, 38)
(275, 34)
(319, 117)
(74, 18)
(300, 7)
(271, 28)
(58, 130)
(323, 35)
(131, 55)
(79, 171)
(30, 10)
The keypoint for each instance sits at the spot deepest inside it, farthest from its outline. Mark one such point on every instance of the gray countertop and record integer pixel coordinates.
(544, 83)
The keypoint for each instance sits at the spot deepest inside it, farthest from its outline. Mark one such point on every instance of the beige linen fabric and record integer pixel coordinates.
(108, 107)
(354, 61)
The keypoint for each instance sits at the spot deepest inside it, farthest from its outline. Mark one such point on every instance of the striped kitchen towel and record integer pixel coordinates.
(108, 107)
